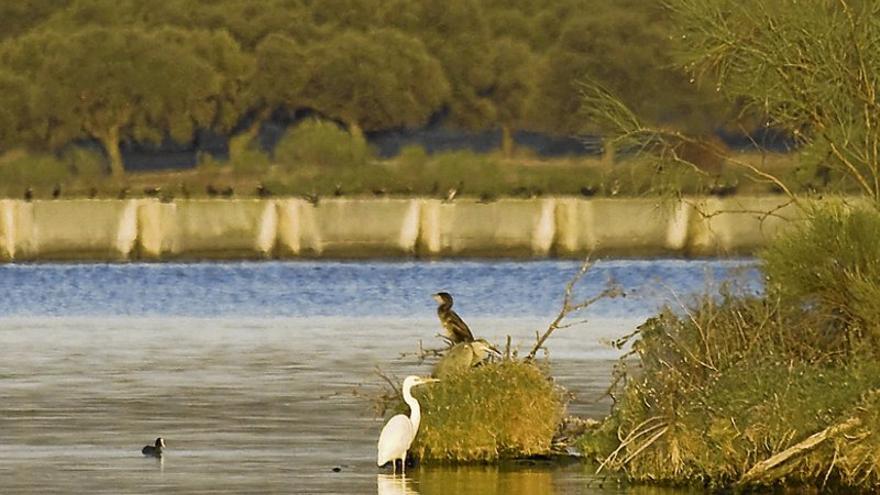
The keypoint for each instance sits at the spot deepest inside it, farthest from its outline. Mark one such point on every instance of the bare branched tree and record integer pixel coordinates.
(570, 306)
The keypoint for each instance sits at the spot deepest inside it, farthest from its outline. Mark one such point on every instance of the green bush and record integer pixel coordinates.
(317, 142)
(85, 163)
(506, 409)
(413, 155)
(733, 382)
(34, 169)
(831, 263)
(245, 157)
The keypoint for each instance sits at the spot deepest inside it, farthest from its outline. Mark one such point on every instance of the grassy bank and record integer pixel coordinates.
(781, 389)
(318, 159)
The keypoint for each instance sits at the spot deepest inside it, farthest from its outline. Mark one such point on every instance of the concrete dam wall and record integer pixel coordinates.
(146, 229)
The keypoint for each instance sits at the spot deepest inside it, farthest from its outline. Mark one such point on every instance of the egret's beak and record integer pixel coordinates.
(437, 298)
(430, 380)
(494, 350)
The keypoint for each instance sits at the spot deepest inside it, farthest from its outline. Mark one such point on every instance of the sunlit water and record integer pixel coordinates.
(259, 375)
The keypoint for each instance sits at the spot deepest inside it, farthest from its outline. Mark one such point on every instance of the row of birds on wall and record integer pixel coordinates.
(399, 432)
(262, 191)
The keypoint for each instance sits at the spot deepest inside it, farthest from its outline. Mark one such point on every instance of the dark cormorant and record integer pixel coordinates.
(154, 450)
(456, 329)
(56, 191)
(28, 194)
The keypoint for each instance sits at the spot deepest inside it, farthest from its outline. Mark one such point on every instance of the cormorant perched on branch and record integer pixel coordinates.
(456, 329)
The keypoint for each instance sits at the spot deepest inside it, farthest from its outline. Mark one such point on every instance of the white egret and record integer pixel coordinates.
(400, 431)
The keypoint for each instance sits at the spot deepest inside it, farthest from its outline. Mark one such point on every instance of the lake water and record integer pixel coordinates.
(259, 375)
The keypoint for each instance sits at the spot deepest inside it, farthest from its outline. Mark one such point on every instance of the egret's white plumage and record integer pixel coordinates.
(400, 431)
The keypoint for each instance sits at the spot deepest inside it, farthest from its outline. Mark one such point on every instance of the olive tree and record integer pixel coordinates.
(375, 80)
(119, 83)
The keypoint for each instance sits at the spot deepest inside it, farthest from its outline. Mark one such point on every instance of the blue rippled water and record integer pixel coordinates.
(352, 289)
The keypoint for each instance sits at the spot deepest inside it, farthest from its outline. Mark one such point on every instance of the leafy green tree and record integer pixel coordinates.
(112, 84)
(457, 34)
(514, 64)
(374, 80)
(16, 18)
(15, 108)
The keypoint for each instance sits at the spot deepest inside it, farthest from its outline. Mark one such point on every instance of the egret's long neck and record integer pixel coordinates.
(415, 415)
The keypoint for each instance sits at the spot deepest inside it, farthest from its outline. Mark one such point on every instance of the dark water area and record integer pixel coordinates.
(260, 375)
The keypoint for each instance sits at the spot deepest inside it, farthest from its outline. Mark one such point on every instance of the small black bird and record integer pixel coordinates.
(379, 191)
(337, 191)
(211, 190)
(588, 191)
(152, 191)
(93, 192)
(456, 329)
(29, 194)
(122, 193)
(227, 192)
(263, 191)
(154, 450)
(56, 191)
(313, 198)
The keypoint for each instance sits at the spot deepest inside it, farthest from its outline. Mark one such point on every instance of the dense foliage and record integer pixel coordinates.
(116, 71)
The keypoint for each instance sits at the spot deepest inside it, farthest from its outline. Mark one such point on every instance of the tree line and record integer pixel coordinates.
(127, 70)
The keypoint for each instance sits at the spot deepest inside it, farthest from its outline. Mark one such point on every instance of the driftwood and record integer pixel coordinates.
(763, 469)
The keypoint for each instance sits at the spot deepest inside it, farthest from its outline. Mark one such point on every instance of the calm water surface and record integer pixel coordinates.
(259, 375)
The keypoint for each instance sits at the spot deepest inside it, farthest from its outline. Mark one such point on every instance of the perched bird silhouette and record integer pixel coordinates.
(152, 191)
(154, 450)
(227, 191)
(122, 193)
(263, 191)
(56, 191)
(456, 329)
(93, 192)
(211, 190)
(29, 194)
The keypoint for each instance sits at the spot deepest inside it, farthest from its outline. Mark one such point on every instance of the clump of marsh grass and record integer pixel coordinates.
(506, 409)
(737, 389)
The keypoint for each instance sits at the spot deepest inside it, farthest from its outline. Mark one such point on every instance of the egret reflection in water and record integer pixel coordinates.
(391, 484)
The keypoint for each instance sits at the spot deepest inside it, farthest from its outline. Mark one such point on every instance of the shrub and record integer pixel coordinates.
(831, 263)
(413, 155)
(506, 409)
(85, 163)
(317, 142)
(33, 169)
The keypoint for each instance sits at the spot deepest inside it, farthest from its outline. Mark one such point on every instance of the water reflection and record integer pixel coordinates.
(486, 480)
(392, 484)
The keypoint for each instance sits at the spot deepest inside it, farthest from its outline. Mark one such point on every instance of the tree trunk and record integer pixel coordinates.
(607, 152)
(356, 132)
(110, 141)
(506, 141)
